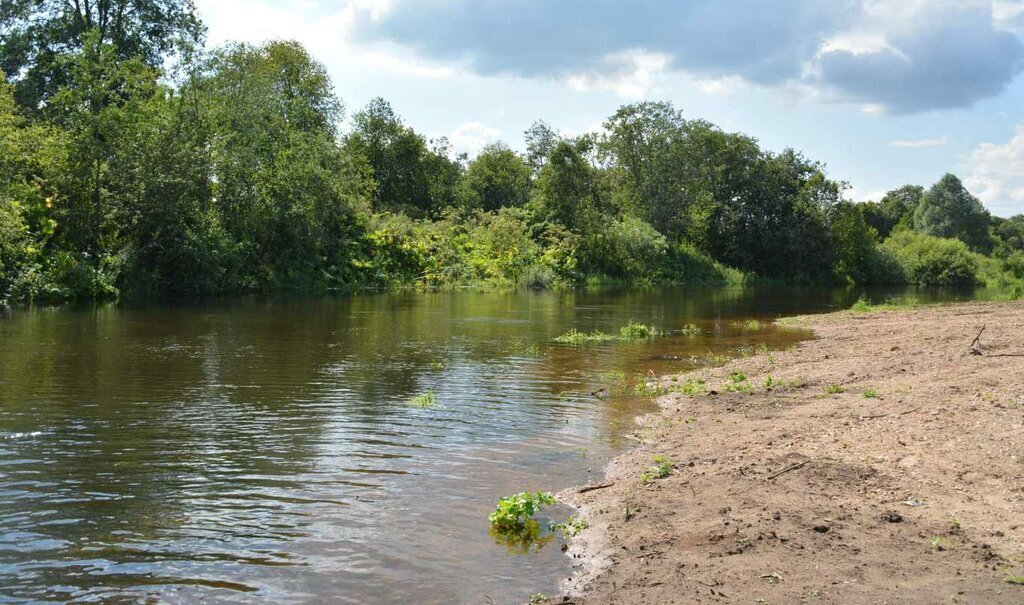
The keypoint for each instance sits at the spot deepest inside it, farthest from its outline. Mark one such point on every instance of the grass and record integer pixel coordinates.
(662, 468)
(690, 330)
(692, 387)
(649, 389)
(575, 337)
(637, 331)
(749, 324)
(425, 400)
(1015, 580)
(871, 394)
(571, 527)
(835, 389)
(864, 305)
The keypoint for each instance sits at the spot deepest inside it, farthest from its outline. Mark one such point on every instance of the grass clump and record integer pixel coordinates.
(637, 331)
(864, 305)
(1015, 580)
(423, 401)
(662, 468)
(692, 387)
(649, 389)
(690, 330)
(575, 337)
(871, 394)
(835, 389)
(571, 527)
(749, 324)
(512, 513)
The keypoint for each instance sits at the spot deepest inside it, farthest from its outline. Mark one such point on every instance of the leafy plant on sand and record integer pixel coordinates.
(692, 387)
(662, 468)
(572, 526)
(864, 305)
(871, 394)
(513, 512)
(835, 389)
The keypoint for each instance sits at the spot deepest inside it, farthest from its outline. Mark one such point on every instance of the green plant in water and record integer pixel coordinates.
(835, 389)
(871, 394)
(575, 337)
(530, 538)
(572, 526)
(537, 599)
(749, 324)
(662, 468)
(513, 512)
(637, 331)
(690, 330)
(424, 400)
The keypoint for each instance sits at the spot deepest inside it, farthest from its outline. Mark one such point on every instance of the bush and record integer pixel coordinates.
(933, 261)
(629, 248)
(690, 266)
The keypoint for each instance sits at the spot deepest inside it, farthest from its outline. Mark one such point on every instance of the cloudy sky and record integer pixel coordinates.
(885, 92)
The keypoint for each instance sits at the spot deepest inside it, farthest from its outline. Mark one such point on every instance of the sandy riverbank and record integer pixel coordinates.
(788, 494)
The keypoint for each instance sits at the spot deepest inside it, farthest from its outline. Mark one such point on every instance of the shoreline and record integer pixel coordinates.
(882, 461)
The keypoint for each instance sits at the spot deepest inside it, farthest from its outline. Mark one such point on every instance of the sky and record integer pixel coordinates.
(884, 92)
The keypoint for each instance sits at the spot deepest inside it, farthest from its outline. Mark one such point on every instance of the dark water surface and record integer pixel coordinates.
(265, 451)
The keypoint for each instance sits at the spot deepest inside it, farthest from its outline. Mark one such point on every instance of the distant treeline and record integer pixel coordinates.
(134, 163)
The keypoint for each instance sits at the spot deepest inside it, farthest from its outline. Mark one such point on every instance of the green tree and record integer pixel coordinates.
(569, 190)
(39, 36)
(540, 140)
(495, 179)
(287, 193)
(853, 243)
(949, 210)
(896, 208)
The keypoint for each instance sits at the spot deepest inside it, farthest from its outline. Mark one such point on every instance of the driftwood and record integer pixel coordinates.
(590, 488)
(975, 345)
(791, 467)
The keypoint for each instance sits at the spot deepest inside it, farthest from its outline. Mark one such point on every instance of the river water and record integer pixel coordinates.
(264, 450)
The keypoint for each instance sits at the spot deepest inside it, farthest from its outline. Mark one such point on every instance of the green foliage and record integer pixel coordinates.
(571, 528)
(894, 210)
(948, 210)
(834, 389)
(495, 179)
(425, 400)
(662, 468)
(932, 261)
(690, 330)
(637, 331)
(575, 337)
(513, 512)
(871, 394)
(692, 387)
(864, 304)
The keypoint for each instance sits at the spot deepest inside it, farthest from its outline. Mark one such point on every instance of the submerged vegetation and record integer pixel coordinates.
(137, 163)
(425, 400)
(514, 512)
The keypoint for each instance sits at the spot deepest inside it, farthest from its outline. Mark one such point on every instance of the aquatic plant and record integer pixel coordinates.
(575, 337)
(690, 330)
(513, 512)
(637, 331)
(749, 324)
(424, 400)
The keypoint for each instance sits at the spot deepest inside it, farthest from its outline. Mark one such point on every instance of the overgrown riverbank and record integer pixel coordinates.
(879, 463)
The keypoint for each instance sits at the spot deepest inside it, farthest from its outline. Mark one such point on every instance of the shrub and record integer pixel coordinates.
(933, 261)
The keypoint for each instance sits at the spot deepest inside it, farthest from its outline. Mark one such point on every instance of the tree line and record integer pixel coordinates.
(136, 163)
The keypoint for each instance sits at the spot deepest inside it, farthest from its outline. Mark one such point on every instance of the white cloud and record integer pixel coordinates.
(996, 174)
(630, 74)
(919, 143)
(325, 35)
(471, 137)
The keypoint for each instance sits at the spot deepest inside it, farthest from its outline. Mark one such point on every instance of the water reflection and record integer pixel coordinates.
(265, 448)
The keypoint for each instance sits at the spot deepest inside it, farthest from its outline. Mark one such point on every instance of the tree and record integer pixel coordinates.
(497, 178)
(568, 188)
(895, 209)
(853, 243)
(949, 210)
(541, 140)
(401, 162)
(287, 193)
(39, 36)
